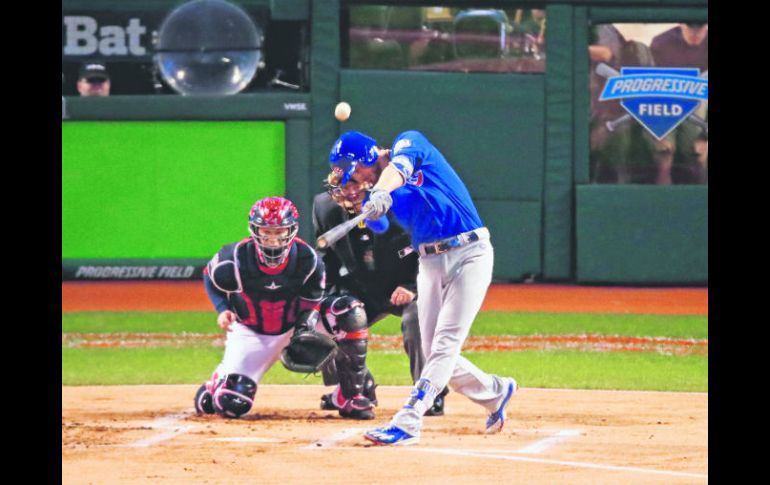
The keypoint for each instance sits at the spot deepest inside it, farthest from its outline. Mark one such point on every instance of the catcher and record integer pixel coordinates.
(268, 290)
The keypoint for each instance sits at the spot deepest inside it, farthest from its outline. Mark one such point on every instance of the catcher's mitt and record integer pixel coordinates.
(308, 352)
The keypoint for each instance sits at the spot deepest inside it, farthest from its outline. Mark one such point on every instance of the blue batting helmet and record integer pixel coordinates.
(350, 149)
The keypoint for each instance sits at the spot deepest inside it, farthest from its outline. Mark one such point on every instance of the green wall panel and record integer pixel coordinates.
(515, 230)
(324, 75)
(491, 128)
(557, 211)
(642, 234)
(164, 189)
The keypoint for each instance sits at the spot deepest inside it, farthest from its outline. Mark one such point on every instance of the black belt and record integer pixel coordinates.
(451, 243)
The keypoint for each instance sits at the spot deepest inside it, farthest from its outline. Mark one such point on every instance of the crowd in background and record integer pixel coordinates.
(621, 149)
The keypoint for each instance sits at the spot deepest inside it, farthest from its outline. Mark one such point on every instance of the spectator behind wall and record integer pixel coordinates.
(93, 80)
(618, 156)
(682, 156)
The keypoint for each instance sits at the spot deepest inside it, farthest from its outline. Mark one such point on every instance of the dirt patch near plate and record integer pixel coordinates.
(148, 434)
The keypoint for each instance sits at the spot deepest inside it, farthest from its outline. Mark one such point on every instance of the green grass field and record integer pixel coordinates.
(551, 369)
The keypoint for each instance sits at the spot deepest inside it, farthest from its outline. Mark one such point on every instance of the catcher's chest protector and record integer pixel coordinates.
(268, 303)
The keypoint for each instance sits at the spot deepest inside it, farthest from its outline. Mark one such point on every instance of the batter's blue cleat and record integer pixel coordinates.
(496, 420)
(390, 436)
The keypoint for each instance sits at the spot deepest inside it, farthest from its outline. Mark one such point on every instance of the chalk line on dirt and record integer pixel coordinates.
(248, 439)
(168, 423)
(576, 464)
(333, 439)
(549, 442)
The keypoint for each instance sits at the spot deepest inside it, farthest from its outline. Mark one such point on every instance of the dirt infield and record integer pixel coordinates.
(190, 296)
(148, 434)
(121, 435)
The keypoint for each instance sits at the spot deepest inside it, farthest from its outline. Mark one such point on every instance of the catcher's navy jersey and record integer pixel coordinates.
(266, 300)
(434, 204)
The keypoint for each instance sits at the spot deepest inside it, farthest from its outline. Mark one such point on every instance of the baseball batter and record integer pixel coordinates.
(429, 200)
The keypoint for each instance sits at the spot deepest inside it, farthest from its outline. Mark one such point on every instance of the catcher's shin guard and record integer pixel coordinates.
(351, 368)
(346, 317)
(369, 387)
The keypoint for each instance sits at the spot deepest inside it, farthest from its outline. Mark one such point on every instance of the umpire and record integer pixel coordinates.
(378, 269)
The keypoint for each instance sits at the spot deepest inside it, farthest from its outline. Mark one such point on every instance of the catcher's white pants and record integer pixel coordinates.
(451, 288)
(249, 353)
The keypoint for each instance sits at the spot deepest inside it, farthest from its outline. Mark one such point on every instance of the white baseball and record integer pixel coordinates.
(342, 111)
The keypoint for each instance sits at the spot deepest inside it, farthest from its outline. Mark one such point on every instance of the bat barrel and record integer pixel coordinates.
(338, 232)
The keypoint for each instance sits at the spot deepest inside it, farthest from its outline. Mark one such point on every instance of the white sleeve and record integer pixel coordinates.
(404, 165)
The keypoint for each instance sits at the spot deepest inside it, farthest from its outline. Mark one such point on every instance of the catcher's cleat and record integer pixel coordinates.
(390, 436)
(496, 420)
(359, 407)
(333, 401)
(326, 402)
(360, 414)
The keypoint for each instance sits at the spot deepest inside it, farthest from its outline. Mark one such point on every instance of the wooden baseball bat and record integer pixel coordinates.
(338, 232)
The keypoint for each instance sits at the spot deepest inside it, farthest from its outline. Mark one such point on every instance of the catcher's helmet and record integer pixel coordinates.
(350, 149)
(234, 395)
(268, 214)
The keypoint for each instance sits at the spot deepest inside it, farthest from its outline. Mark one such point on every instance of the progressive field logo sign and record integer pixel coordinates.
(658, 98)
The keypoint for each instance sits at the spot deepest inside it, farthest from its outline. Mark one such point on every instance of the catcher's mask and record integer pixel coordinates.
(350, 149)
(273, 226)
(349, 196)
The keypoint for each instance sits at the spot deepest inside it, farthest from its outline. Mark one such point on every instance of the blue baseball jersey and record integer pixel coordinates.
(434, 203)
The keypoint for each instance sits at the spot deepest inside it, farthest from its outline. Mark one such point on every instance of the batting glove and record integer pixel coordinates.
(378, 204)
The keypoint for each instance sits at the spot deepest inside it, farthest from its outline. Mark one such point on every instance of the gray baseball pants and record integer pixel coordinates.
(451, 288)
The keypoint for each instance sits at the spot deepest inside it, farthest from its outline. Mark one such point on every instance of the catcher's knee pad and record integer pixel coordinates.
(204, 403)
(234, 395)
(345, 317)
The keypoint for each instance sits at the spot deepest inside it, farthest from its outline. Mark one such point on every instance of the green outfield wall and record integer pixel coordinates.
(150, 180)
(173, 189)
